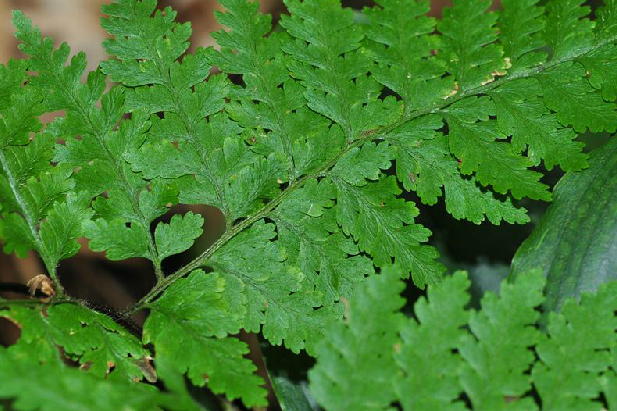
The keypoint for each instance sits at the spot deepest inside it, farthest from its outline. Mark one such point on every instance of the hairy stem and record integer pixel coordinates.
(36, 302)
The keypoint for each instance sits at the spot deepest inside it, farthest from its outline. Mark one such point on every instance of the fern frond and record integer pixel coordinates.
(522, 114)
(362, 347)
(50, 387)
(383, 225)
(568, 29)
(307, 228)
(92, 339)
(520, 30)
(425, 165)
(575, 351)
(38, 211)
(474, 137)
(402, 43)
(53, 386)
(326, 58)
(100, 151)
(266, 106)
(567, 91)
(295, 135)
(235, 187)
(486, 355)
(469, 47)
(194, 317)
(494, 367)
(440, 314)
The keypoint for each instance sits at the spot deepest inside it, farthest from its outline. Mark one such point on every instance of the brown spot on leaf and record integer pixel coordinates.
(453, 92)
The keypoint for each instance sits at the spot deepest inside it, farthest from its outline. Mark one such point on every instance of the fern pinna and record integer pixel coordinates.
(449, 358)
(306, 152)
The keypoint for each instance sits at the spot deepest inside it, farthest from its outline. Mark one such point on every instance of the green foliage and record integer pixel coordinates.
(362, 352)
(92, 339)
(578, 256)
(378, 357)
(185, 323)
(39, 212)
(307, 139)
(52, 387)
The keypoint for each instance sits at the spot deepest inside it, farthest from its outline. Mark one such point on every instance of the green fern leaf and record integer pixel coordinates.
(187, 228)
(89, 337)
(270, 97)
(193, 317)
(153, 40)
(567, 91)
(599, 67)
(361, 347)
(469, 49)
(63, 226)
(475, 142)
(33, 193)
(101, 150)
(448, 351)
(567, 29)
(307, 229)
(402, 43)
(383, 226)
(296, 141)
(237, 189)
(608, 381)
(182, 399)
(522, 114)
(117, 240)
(495, 368)
(365, 163)
(520, 25)
(326, 58)
(606, 18)
(429, 364)
(424, 164)
(272, 289)
(52, 387)
(381, 223)
(567, 374)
